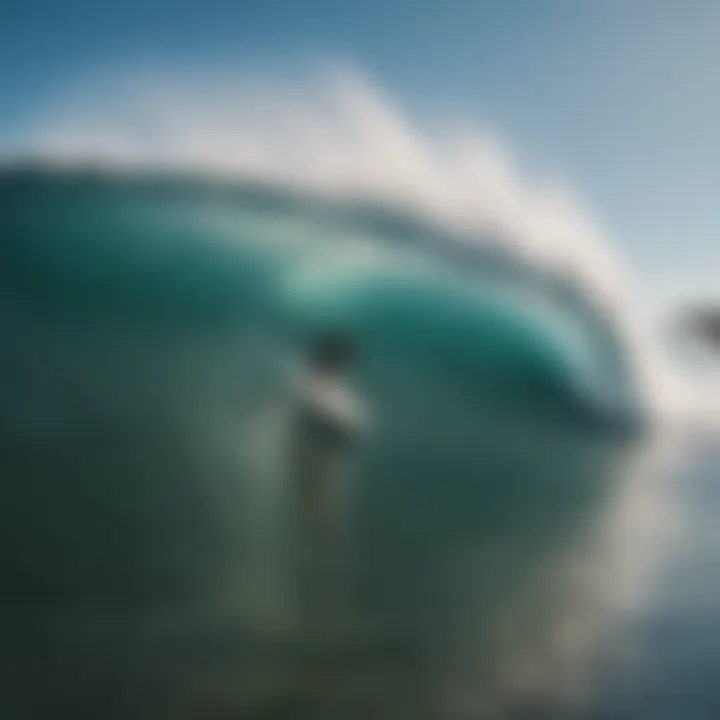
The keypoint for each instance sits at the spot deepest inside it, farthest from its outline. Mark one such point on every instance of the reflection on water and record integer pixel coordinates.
(670, 643)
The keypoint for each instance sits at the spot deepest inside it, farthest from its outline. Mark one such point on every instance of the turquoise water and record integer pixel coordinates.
(147, 328)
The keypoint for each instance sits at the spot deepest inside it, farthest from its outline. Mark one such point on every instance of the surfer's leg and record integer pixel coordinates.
(323, 553)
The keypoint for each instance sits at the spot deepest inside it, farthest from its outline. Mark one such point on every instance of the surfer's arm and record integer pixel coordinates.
(333, 410)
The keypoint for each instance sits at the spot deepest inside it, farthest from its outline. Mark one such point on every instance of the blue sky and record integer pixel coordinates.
(619, 98)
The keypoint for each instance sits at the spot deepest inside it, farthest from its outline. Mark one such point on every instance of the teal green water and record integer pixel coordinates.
(146, 326)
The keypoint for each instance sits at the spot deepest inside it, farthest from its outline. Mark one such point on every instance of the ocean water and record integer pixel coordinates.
(148, 327)
(668, 645)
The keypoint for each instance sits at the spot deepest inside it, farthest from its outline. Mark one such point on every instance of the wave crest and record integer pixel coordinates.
(338, 137)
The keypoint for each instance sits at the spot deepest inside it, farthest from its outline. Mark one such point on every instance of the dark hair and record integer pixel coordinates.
(331, 350)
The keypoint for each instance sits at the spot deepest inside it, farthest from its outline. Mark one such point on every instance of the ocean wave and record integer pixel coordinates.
(150, 301)
(337, 146)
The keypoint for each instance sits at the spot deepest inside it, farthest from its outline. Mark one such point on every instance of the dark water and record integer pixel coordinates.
(146, 326)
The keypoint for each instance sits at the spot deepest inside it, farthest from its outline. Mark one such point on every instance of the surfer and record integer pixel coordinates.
(327, 421)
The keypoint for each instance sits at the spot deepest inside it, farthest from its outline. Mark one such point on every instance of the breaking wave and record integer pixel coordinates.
(151, 298)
